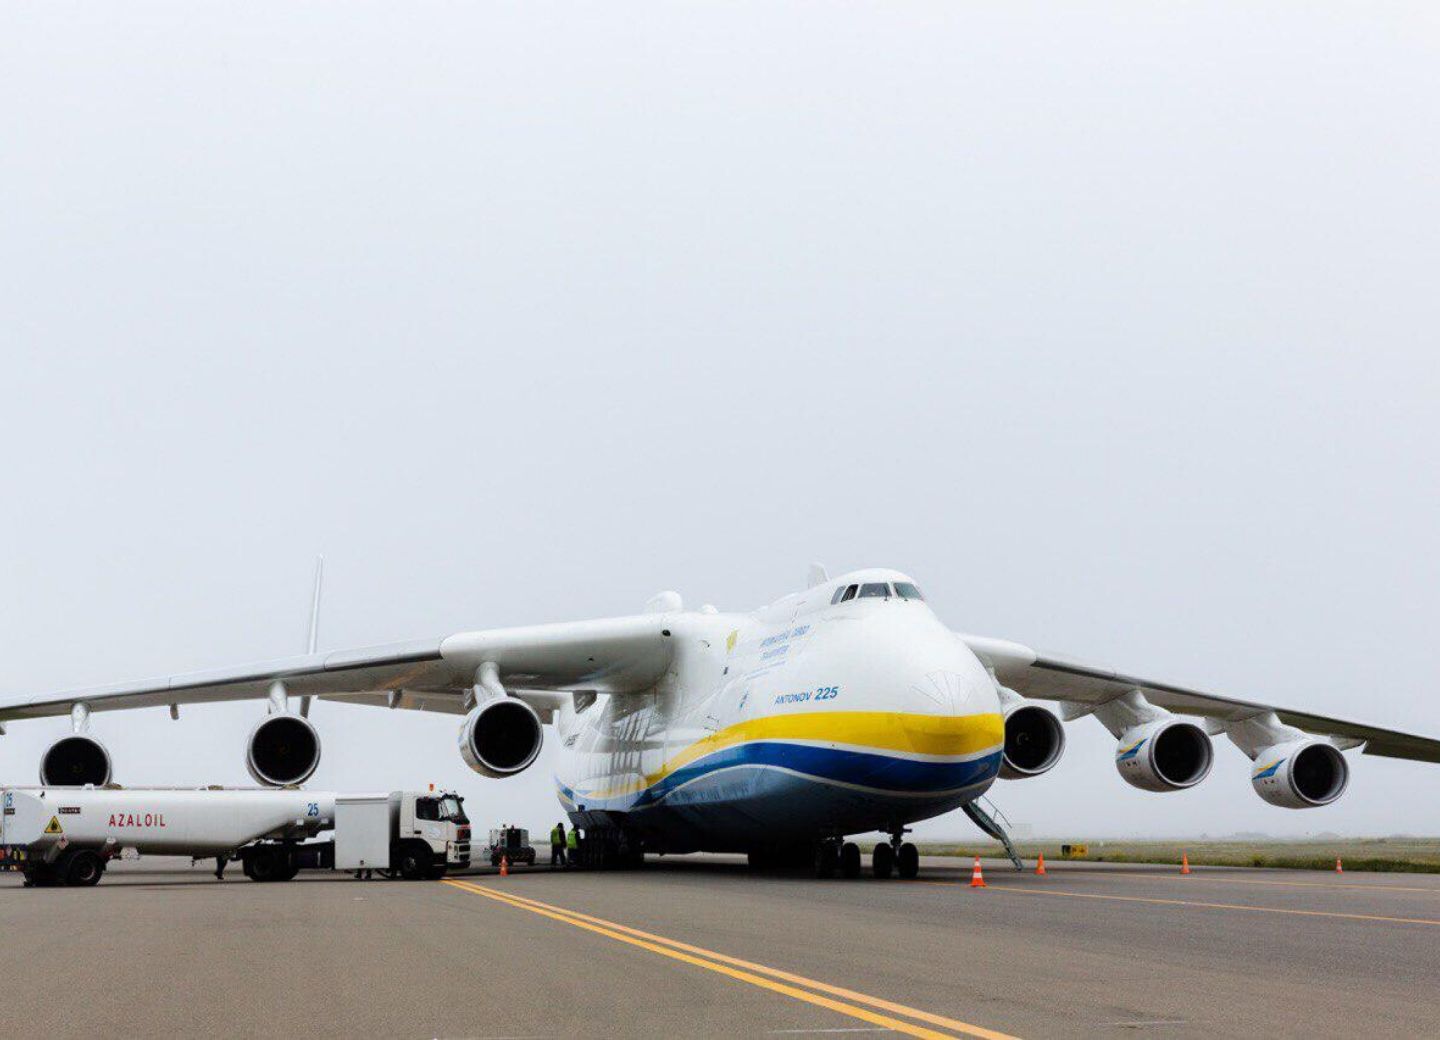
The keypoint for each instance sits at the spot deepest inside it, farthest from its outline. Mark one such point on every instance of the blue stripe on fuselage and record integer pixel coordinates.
(885, 774)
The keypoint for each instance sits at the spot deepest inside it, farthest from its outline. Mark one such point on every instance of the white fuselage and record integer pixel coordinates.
(800, 721)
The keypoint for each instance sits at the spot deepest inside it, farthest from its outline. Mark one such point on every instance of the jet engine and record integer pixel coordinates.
(1164, 755)
(75, 760)
(1303, 774)
(1034, 742)
(282, 749)
(500, 737)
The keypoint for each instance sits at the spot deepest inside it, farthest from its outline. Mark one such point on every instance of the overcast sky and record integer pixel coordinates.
(1113, 324)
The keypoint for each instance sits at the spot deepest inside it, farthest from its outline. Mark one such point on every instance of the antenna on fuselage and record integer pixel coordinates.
(314, 640)
(817, 576)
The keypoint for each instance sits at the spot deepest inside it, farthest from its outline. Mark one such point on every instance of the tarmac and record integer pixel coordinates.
(702, 947)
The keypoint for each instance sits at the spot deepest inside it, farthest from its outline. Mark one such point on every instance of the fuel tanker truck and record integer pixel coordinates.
(67, 835)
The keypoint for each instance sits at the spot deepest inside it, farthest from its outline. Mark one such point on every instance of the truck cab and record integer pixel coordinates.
(436, 820)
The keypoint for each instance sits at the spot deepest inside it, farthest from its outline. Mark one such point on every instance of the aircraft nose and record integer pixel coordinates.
(953, 692)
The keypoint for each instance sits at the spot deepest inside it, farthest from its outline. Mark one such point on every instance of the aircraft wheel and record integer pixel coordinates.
(907, 861)
(850, 860)
(632, 856)
(882, 860)
(827, 859)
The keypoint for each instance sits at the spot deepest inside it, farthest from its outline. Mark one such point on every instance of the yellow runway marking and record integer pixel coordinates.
(1206, 906)
(1206, 878)
(747, 971)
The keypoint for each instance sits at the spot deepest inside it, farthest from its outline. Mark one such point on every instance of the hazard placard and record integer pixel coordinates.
(54, 826)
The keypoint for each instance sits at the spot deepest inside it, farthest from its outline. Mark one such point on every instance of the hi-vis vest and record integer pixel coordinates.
(557, 836)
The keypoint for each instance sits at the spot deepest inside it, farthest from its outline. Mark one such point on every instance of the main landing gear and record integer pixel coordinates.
(834, 856)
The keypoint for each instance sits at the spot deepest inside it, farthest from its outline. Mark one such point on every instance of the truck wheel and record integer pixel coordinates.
(264, 863)
(415, 862)
(83, 869)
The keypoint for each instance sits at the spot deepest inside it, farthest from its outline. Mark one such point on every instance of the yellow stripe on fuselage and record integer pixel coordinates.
(944, 735)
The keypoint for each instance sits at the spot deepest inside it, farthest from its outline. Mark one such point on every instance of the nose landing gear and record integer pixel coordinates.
(900, 856)
(832, 856)
(896, 856)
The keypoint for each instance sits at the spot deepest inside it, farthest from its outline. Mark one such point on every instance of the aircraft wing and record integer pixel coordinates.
(1083, 686)
(612, 655)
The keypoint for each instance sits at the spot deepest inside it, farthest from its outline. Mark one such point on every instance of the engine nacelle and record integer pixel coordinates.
(282, 750)
(75, 760)
(501, 737)
(1304, 774)
(1034, 742)
(1164, 755)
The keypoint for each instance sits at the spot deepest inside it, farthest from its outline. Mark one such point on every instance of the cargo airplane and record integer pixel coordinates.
(845, 709)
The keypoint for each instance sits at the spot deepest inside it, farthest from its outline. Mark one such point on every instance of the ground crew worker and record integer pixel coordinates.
(220, 862)
(557, 846)
(572, 845)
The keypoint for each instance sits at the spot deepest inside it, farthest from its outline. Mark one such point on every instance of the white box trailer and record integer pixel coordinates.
(67, 835)
(363, 832)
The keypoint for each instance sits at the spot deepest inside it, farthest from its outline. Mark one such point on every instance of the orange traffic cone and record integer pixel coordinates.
(1339, 867)
(977, 879)
(504, 866)
(1184, 863)
(1040, 866)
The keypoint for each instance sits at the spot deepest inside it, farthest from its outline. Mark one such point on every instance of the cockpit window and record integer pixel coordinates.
(905, 590)
(839, 591)
(849, 593)
(876, 589)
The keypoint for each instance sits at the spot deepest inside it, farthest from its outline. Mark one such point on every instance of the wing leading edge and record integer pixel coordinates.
(611, 655)
(1049, 677)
